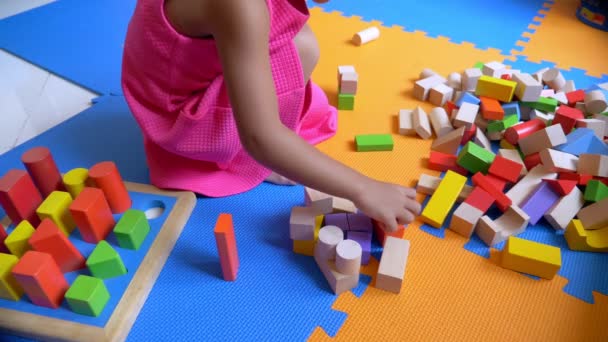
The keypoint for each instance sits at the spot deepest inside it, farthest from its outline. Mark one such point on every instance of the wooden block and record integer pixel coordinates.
(560, 96)
(428, 184)
(9, 288)
(339, 220)
(475, 158)
(554, 79)
(575, 97)
(443, 199)
(470, 77)
(422, 87)
(466, 115)
(421, 123)
(87, 295)
(454, 81)
(348, 257)
(307, 247)
(595, 101)
(532, 160)
(494, 69)
(41, 279)
(540, 200)
(338, 282)
(516, 132)
(596, 125)
(75, 181)
(594, 216)
(464, 220)
(546, 118)
(506, 169)
(391, 270)
(603, 117)
(406, 122)
(491, 108)
(593, 164)
(365, 241)
(49, 239)
(570, 86)
(498, 182)
(105, 175)
(3, 236)
(346, 102)
(19, 196)
(226, 246)
(528, 89)
(16, 241)
(539, 74)
(440, 94)
(514, 155)
(482, 140)
(544, 104)
(365, 36)
(41, 166)
(325, 204)
(595, 191)
(480, 199)
(442, 162)
(496, 88)
(348, 83)
(468, 134)
(531, 257)
(466, 97)
(329, 237)
(562, 186)
(132, 229)
(514, 221)
(56, 207)
(440, 121)
(428, 72)
(566, 208)
(558, 161)
(374, 142)
(502, 201)
(381, 233)
(105, 262)
(302, 223)
(450, 142)
(545, 138)
(567, 117)
(580, 239)
(522, 189)
(359, 222)
(577, 142)
(92, 215)
(343, 69)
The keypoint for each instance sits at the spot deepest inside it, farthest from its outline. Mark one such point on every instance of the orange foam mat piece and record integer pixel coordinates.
(563, 39)
(448, 292)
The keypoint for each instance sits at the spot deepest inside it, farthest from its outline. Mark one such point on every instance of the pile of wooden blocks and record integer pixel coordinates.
(340, 238)
(347, 87)
(552, 160)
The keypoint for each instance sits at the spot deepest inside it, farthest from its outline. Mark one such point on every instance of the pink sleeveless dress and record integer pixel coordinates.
(175, 89)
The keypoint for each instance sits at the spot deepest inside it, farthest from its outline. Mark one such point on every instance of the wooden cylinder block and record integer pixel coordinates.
(329, 238)
(348, 257)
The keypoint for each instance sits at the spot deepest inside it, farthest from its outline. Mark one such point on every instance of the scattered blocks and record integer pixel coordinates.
(105, 262)
(505, 169)
(49, 239)
(87, 295)
(450, 142)
(41, 279)
(443, 199)
(486, 183)
(325, 256)
(514, 221)
(546, 138)
(531, 257)
(9, 288)
(226, 246)
(423, 87)
(132, 229)
(528, 89)
(19, 196)
(56, 207)
(520, 191)
(475, 158)
(565, 209)
(17, 240)
(92, 215)
(391, 270)
(496, 88)
(374, 142)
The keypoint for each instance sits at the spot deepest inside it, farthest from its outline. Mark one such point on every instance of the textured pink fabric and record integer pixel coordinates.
(175, 89)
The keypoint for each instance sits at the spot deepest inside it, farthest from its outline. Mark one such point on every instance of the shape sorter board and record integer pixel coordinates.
(128, 293)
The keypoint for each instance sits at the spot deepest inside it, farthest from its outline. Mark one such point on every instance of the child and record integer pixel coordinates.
(221, 90)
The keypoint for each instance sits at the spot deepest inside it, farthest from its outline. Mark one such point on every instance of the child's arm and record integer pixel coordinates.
(241, 31)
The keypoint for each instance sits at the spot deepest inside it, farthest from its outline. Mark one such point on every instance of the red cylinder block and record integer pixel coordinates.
(519, 131)
(19, 197)
(105, 176)
(41, 166)
(532, 160)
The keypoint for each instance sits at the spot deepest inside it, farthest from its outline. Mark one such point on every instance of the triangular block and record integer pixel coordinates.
(105, 262)
(561, 186)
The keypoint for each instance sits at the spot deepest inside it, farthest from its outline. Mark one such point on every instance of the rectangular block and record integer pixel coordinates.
(365, 240)
(393, 262)
(466, 115)
(359, 222)
(19, 196)
(466, 97)
(506, 169)
(496, 88)
(594, 216)
(422, 126)
(544, 104)
(546, 138)
(502, 201)
(593, 164)
(475, 158)
(470, 77)
(17, 240)
(346, 101)
(465, 219)
(49, 239)
(480, 199)
(449, 142)
(9, 288)
(374, 142)
(443, 199)
(339, 220)
(381, 234)
(226, 246)
(302, 223)
(406, 122)
(565, 209)
(56, 207)
(522, 189)
(514, 156)
(539, 202)
(41, 279)
(427, 185)
(92, 215)
(514, 221)
(132, 229)
(422, 87)
(491, 108)
(531, 257)
(443, 162)
(528, 89)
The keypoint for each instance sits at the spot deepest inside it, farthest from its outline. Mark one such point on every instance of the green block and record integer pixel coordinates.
(105, 262)
(501, 125)
(475, 158)
(374, 142)
(87, 295)
(478, 65)
(346, 101)
(595, 191)
(510, 120)
(132, 229)
(544, 104)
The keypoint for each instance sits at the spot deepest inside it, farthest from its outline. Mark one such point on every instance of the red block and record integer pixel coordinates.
(480, 199)
(41, 166)
(491, 108)
(530, 161)
(3, 235)
(41, 279)
(19, 197)
(226, 246)
(567, 117)
(105, 176)
(497, 182)
(506, 77)
(468, 135)
(575, 96)
(49, 239)
(502, 201)
(381, 233)
(92, 215)
(579, 178)
(514, 133)
(584, 179)
(442, 162)
(449, 108)
(561, 186)
(506, 169)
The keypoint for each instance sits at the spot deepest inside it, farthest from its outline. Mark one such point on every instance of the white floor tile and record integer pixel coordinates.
(27, 79)
(11, 7)
(12, 117)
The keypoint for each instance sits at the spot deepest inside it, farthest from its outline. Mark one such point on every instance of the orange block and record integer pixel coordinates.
(19, 196)
(92, 215)
(49, 239)
(41, 279)
(106, 176)
(226, 246)
(381, 234)
(491, 108)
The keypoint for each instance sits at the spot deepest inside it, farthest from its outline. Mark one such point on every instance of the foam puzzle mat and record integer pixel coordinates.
(453, 287)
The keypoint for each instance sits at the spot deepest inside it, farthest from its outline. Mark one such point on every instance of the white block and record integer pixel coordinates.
(406, 122)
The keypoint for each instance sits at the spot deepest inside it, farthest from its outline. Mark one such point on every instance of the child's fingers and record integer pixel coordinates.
(409, 192)
(405, 217)
(413, 206)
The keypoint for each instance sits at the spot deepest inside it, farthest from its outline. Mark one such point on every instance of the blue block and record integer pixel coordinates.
(577, 142)
(467, 97)
(512, 108)
(596, 146)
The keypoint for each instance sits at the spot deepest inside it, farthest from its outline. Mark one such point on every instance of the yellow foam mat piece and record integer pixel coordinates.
(448, 292)
(563, 39)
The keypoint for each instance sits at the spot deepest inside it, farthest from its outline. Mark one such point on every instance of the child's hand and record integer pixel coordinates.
(389, 204)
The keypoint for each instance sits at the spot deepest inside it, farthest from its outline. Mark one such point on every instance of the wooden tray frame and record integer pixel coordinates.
(119, 325)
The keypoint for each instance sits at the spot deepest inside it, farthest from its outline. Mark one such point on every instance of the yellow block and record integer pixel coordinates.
(506, 145)
(75, 180)
(531, 257)
(496, 88)
(307, 247)
(9, 288)
(579, 239)
(17, 240)
(443, 199)
(56, 207)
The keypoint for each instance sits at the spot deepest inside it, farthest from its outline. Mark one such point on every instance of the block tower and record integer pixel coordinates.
(347, 87)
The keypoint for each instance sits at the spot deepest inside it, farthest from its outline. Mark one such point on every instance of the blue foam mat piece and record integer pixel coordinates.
(278, 295)
(81, 41)
(447, 17)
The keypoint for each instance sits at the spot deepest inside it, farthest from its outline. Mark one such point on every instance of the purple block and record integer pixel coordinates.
(359, 223)
(365, 240)
(339, 220)
(539, 201)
